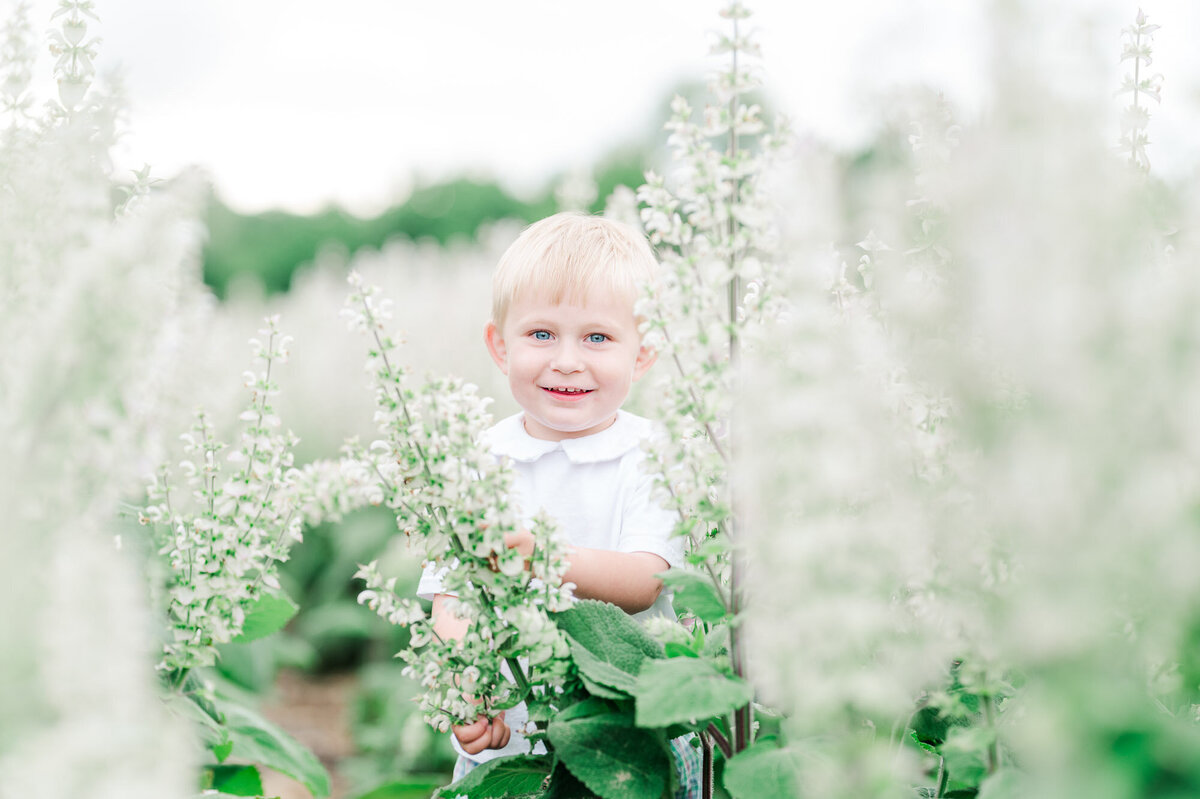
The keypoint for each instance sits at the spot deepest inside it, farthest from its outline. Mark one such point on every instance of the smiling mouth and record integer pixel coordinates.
(563, 391)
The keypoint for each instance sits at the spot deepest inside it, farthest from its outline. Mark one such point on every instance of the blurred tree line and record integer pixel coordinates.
(271, 245)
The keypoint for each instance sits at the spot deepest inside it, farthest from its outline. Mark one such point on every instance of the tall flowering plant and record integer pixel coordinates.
(218, 537)
(224, 533)
(971, 494)
(450, 496)
(86, 287)
(1141, 86)
(712, 224)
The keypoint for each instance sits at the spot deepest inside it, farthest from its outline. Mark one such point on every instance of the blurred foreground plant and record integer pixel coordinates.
(713, 226)
(87, 289)
(973, 498)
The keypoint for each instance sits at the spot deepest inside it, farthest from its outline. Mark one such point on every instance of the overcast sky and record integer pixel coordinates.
(300, 103)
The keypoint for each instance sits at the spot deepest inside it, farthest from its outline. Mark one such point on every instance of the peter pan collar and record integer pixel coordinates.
(509, 437)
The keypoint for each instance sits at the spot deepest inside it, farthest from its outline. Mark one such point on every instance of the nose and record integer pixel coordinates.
(566, 359)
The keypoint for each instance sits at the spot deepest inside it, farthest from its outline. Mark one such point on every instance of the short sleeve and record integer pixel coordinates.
(647, 526)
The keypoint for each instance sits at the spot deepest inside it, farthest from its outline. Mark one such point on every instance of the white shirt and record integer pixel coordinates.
(598, 493)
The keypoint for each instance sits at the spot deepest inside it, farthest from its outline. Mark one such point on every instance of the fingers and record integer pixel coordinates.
(500, 732)
(522, 541)
(483, 733)
(473, 737)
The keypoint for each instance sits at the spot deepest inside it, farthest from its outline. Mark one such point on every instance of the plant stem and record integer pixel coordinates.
(1137, 63)
(719, 739)
(941, 778)
(992, 754)
(743, 731)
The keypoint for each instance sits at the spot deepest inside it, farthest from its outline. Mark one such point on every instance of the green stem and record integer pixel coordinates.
(743, 732)
(992, 754)
(942, 778)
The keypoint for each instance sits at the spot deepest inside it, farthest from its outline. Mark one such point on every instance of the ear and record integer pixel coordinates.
(645, 359)
(495, 345)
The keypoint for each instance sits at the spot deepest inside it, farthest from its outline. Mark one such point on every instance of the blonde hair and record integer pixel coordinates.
(570, 255)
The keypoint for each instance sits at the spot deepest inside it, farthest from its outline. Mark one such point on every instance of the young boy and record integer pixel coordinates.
(564, 332)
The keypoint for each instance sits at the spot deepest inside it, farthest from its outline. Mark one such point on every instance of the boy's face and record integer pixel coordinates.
(569, 365)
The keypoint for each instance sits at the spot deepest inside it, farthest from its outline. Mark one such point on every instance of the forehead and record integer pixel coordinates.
(597, 303)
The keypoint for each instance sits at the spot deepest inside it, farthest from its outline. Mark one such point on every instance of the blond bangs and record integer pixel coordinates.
(570, 256)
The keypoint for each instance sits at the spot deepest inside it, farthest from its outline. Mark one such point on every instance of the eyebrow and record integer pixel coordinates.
(606, 323)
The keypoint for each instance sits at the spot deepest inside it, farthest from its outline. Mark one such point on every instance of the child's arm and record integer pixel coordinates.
(625, 579)
(483, 733)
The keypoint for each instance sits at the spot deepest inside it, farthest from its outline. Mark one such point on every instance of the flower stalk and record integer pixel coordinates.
(450, 497)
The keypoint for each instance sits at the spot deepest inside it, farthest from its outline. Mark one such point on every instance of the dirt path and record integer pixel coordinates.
(315, 711)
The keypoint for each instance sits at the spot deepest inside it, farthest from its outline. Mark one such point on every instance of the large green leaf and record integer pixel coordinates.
(408, 788)
(269, 613)
(612, 757)
(696, 593)
(188, 707)
(963, 756)
(233, 780)
(764, 771)
(683, 690)
(515, 777)
(609, 633)
(257, 740)
(599, 689)
(565, 785)
(601, 671)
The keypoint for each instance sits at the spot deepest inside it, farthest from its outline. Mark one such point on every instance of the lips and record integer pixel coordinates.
(567, 392)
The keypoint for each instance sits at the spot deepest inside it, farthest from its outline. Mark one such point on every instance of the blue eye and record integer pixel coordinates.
(541, 335)
(597, 338)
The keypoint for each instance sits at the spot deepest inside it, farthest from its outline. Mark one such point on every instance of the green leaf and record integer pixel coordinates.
(695, 593)
(598, 689)
(259, 741)
(584, 708)
(234, 780)
(611, 757)
(674, 649)
(763, 771)
(963, 755)
(601, 671)
(189, 707)
(410, 788)
(269, 613)
(565, 785)
(222, 750)
(609, 633)
(682, 690)
(517, 776)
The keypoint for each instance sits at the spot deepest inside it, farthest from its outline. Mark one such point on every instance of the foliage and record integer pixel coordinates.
(221, 555)
(450, 496)
(1137, 46)
(392, 742)
(271, 246)
(90, 291)
(714, 232)
(958, 470)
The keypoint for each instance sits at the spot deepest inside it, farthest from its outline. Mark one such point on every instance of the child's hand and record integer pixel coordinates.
(483, 733)
(521, 541)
